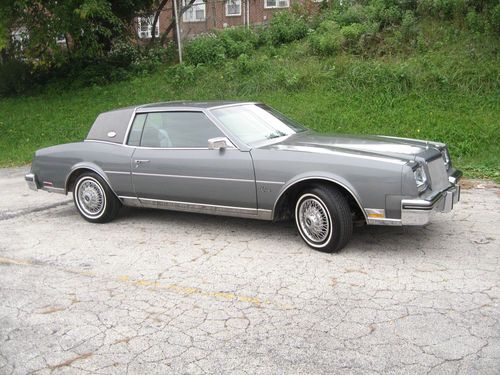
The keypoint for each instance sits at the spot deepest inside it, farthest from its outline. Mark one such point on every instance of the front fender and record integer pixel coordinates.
(320, 175)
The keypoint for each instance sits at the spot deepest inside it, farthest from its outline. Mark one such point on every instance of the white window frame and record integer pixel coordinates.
(227, 8)
(147, 34)
(20, 35)
(277, 6)
(61, 39)
(190, 14)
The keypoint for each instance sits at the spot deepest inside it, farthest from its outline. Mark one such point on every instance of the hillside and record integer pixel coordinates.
(445, 87)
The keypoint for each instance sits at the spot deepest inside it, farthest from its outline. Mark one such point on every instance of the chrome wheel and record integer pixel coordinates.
(90, 198)
(313, 220)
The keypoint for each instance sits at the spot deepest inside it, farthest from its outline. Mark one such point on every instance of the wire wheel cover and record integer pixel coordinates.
(91, 197)
(314, 220)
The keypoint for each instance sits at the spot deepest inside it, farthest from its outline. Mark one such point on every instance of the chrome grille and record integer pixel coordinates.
(437, 174)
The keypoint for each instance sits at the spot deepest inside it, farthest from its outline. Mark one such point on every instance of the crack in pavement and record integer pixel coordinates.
(166, 293)
(148, 284)
(12, 215)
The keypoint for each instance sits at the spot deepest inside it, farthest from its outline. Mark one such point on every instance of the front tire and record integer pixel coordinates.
(323, 218)
(94, 199)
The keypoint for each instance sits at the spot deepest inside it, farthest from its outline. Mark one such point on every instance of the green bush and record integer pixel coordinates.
(326, 40)
(494, 19)
(474, 21)
(248, 65)
(443, 9)
(240, 34)
(409, 27)
(123, 54)
(345, 16)
(204, 49)
(352, 34)
(181, 75)
(285, 27)
(390, 16)
(16, 77)
(237, 41)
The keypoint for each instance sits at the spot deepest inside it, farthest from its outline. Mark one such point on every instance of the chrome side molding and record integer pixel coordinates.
(211, 209)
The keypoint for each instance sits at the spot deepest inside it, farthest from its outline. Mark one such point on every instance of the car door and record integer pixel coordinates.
(172, 165)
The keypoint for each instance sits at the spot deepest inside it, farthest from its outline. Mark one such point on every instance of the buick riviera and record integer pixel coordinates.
(248, 160)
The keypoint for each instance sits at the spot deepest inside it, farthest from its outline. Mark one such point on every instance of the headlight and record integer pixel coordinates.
(446, 158)
(420, 179)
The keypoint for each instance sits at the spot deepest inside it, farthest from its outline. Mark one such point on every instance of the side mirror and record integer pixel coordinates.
(218, 143)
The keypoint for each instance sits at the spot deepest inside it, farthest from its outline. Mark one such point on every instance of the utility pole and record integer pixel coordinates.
(179, 45)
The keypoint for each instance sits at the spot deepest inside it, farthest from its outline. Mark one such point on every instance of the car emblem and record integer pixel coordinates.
(111, 134)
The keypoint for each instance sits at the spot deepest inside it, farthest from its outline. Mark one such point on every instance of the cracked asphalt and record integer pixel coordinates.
(176, 293)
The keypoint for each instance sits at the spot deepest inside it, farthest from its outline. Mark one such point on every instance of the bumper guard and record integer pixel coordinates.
(31, 181)
(420, 211)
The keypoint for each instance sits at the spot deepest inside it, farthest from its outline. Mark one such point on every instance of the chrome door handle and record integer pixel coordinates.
(141, 161)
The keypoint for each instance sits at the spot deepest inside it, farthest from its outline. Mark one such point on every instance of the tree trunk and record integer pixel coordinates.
(170, 27)
(155, 20)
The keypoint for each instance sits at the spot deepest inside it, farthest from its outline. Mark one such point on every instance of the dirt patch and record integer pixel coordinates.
(51, 309)
(69, 362)
(478, 184)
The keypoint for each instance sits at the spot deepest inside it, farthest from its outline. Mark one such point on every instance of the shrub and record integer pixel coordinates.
(443, 9)
(123, 54)
(240, 34)
(237, 41)
(409, 27)
(474, 21)
(247, 65)
(352, 34)
(353, 14)
(390, 16)
(286, 27)
(16, 77)
(182, 74)
(204, 49)
(327, 39)
(494, 19)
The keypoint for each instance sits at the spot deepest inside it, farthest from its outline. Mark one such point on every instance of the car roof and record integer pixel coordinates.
(187, 104)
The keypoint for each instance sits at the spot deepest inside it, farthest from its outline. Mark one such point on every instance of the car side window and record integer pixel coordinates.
(134, 138)
(178, 130)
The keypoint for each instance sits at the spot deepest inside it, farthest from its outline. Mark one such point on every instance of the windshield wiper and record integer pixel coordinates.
(276, 134)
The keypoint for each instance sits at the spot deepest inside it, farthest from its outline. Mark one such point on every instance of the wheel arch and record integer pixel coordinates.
(81, 168)
(289, 194)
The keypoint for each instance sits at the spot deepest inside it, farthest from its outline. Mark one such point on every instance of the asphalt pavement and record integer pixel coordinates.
(176, 293)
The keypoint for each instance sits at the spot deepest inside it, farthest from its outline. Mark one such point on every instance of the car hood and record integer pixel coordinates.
(403, 149)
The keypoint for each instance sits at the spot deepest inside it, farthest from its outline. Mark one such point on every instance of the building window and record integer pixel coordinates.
(233, 8)
(145, 27)
(20, 35)
(276, 3)
(195, 13)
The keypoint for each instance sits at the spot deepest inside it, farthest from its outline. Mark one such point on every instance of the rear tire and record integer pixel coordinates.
(323, 218)
(94, 199)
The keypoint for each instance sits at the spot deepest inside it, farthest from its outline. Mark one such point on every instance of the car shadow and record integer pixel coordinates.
(372, 239)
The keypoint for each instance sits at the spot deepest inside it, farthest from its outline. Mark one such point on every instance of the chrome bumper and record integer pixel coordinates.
(31, 181)
(420, 211)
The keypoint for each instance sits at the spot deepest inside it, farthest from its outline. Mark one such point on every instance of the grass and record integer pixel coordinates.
(448, 92)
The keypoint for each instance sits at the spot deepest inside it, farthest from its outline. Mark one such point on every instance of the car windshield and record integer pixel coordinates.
(254, 123)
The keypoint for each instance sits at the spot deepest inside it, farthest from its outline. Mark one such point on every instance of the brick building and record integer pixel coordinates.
(208, 15)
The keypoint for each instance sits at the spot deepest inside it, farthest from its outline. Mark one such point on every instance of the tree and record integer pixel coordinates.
(171, 27)
(91, 25)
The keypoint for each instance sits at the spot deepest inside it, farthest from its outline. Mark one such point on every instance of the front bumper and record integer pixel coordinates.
(420, 211)
(31, 181)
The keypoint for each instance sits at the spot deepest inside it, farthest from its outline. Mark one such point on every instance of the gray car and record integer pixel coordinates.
(248, 160)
